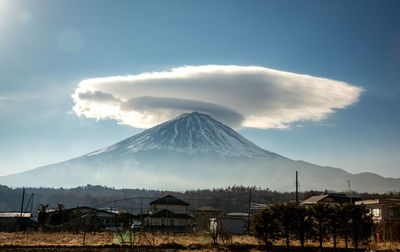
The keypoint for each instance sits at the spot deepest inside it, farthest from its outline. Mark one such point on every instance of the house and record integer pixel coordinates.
(386, 216)
(169, 213)
(382, 209)
(169, 202)
(331, 199)
(203, 215)
(105, 218)
(97, 219)
(15, 221)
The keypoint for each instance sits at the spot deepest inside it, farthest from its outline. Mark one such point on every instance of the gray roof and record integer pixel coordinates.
(91, 209)
(169, 200)
(15, 215)
(209, 209)
(314, 199)
(257, 206)
(339, 198)
(378, 202)
(238, 214)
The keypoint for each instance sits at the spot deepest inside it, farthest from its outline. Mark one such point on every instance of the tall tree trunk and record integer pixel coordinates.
(302, 243)
(356, 243)
(320, 236)
(334, 241)
(287, 240)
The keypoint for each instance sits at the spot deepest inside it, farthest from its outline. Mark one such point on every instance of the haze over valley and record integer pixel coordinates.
(193, 151)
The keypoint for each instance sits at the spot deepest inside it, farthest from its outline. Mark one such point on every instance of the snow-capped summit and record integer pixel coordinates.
(190, 133)
(193, 151)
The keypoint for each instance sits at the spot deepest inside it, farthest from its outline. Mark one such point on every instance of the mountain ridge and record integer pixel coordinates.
(193, 151)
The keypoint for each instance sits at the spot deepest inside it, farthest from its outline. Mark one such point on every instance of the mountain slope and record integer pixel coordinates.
(192, 134)
(193, 151)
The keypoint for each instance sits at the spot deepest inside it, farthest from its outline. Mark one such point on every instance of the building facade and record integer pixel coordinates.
(169, 213)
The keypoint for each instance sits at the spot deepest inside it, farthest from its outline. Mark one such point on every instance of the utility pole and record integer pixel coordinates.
(33, 198)
(22, 208)
(141, 205)
(248, 222)
(297, 188)
(115, 213)
(348, 182)
(22, 201)
(141, 210)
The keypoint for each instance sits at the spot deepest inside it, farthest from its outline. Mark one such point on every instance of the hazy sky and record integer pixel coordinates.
(327, 88)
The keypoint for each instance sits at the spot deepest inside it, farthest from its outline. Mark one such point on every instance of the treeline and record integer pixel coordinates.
(231, 198)
(89, 195)
(319, 222)
(242, 193)
(95, 196)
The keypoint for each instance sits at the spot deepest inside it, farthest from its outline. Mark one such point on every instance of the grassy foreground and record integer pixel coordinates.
(104, 241)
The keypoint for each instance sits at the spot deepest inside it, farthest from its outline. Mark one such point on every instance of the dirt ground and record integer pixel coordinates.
(108, 241)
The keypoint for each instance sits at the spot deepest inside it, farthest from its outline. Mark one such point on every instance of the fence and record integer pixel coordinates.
(141, 205)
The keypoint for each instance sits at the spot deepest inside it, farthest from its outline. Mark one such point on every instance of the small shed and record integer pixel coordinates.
(203, 215)
(232, 224)
(15, 221)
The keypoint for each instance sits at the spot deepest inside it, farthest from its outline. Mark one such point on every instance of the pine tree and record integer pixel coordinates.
(319, 213)
(266, 226)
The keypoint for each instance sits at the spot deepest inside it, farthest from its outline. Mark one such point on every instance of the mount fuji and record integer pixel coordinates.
(194, 151)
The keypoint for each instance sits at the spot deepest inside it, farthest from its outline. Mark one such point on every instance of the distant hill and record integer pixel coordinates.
(135, 200)
(194, 151)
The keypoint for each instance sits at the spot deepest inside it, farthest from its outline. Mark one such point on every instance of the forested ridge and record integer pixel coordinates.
(101, 196)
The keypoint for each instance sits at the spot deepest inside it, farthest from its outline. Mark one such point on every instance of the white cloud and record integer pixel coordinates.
(241, 96)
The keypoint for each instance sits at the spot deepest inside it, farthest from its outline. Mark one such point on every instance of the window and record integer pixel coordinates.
(171, 222)
(154, 207)
(162, 222)
(377, 213)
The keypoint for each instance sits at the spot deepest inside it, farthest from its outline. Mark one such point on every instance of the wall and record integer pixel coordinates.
(173, 208)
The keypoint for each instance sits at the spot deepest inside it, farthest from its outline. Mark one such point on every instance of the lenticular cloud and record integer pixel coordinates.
(240, 96)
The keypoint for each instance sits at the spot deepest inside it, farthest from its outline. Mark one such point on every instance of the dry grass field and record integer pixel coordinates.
(104, 241)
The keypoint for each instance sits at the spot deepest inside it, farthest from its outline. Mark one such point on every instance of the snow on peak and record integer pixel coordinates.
(190, 133)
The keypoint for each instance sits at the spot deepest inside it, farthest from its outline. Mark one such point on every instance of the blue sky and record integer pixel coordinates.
(47, 47)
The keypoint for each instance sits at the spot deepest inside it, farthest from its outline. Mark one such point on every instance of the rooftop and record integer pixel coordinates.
(208, 209)
(15, 215)
(378, 202)
(339, 198)
(169, 200)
